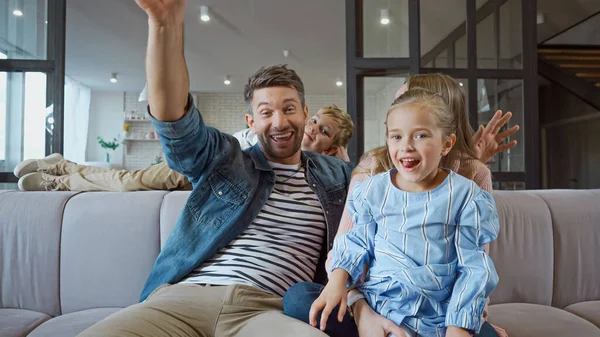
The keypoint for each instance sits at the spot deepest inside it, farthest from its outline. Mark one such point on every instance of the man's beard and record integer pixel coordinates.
(272, 151)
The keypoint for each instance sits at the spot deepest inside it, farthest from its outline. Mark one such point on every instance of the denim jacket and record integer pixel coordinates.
(230, 187)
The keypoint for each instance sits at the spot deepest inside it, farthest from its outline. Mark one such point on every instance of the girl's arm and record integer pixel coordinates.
(476, 275)
(353, 250)
(346, 223)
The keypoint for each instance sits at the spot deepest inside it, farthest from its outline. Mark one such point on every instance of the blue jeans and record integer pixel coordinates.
(298, 299)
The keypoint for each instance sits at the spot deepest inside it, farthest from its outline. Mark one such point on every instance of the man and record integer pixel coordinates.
(327, 132)
(256, 222)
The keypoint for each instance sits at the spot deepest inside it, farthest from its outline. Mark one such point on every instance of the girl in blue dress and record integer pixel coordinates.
(439, 283)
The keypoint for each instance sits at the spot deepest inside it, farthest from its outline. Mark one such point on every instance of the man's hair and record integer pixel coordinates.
(273, 76)
(344, 122)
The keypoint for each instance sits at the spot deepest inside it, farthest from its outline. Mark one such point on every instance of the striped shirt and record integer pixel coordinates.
(280, 247)
(427, 265)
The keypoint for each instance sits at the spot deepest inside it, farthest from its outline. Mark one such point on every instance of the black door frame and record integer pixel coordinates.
(54, 67)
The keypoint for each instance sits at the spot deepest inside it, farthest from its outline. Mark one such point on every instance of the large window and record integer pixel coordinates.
(31, 81)
(489, 46)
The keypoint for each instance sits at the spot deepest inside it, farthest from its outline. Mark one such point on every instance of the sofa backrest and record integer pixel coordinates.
(30, 228)
(523, 253)
(108, 247)
(576, 233)
(62, 252)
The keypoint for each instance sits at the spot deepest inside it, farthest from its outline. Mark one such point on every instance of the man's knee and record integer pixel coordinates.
(274, 323)
(298, 299)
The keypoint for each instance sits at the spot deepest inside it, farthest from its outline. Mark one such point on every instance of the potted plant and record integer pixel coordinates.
(107, 146)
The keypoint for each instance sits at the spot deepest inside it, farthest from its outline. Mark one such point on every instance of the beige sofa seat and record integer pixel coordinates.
(19, 323)
(72, 324)
(534, 320)
(68, 260)
(589, 310)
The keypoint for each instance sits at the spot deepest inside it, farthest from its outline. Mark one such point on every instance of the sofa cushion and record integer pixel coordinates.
(70, 325)
(576, 221)
(588, 310)
(30, 225)
(109, 244)
(171, 209)
(525, 236)
(532, 320)
(18, 322)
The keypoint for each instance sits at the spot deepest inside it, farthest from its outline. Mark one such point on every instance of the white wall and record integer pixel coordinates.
(377, 103)
(106, 121)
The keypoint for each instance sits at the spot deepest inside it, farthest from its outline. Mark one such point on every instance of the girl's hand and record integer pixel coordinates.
(371, 324)
(335, 293)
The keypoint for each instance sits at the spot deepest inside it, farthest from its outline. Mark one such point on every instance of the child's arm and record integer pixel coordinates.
(476, 276)
(351, 251)
(334, 294)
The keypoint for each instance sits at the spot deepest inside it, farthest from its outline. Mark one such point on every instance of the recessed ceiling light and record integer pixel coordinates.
(339, 83)
(113, 78)
(385, 17)
(540, 18)
(17, 12)
(227, 80)
(204, 16)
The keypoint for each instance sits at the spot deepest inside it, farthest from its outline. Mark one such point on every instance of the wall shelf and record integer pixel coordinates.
(128, 141)
(138, 121)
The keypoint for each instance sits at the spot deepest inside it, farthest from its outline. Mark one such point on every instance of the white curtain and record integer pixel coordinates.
(77, 115)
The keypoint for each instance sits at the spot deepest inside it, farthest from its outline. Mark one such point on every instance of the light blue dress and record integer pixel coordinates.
(427, 265)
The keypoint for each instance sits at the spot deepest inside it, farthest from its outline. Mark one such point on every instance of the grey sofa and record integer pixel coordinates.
(68, 260)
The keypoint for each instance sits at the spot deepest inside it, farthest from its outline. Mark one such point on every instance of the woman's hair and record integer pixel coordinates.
(451, 92)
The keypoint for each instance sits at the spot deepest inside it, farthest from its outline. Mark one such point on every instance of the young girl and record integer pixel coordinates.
(466, 158)
(441, 279)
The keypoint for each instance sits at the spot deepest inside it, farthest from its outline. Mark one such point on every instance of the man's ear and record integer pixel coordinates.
(305, 112)
(448, 144)
(331, 151)
(250, 121)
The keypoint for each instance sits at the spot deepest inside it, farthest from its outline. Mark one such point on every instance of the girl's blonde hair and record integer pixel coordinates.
(450, 91)
(428, 101)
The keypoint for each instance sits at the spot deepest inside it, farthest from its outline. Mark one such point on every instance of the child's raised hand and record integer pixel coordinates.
(335, 293)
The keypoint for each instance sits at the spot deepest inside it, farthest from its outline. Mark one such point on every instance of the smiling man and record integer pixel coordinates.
(257, 220)
(327, 132)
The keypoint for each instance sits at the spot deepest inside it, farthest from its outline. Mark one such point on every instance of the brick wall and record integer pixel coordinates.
(223, 111)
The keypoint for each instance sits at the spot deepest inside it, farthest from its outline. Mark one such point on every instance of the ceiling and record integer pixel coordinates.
(110, 36)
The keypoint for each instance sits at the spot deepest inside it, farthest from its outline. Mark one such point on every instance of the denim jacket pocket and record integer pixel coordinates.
(224, 190)
(215, 201)
(337, 195)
